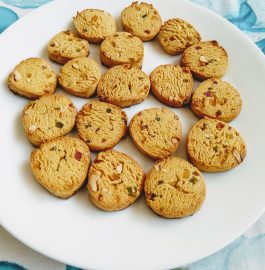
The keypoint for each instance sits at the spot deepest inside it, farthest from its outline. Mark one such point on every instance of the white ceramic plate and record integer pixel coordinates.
(74, 231)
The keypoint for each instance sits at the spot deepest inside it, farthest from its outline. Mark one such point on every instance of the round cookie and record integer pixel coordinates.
(205, 60)
(65, 46)
(156, 132)
(94, 25)
(176, 35)
(61, 165)
(215, 146)
(141, 20)
(216, 99)
(115, 181)
(49, 117)
(80, 77)
(123, 86)
(122, 48)
(172, 85)
(174, 188)
(32, 78)
(101, 125)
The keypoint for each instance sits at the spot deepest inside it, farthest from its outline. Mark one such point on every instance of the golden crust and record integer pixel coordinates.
(115, 181)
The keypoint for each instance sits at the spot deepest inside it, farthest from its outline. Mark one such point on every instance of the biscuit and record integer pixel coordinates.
(65, 46)
(115, 181)
(94, 25)
(141, 20)
(61, 165)
(215, 146)
(216, 99)
(49, 117)
(123, 86)
(174, 188)
(101, 125)
(172, 85)
(205, 60)
(80, 77)
(176, 35)
(156, 132)
(122, 48)
(32, 78)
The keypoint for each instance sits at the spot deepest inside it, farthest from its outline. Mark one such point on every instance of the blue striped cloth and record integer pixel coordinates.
(247, 252)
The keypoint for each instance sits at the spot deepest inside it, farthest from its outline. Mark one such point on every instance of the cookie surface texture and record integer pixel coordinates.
(65, 46)
(48, 117)
(176, 35)
(156, 132)
(80, 77)
(122, 48)
(216, 99)
(213, 146)
(141, 20)
(115, 180)
(101, 125)
(94, 25)
(174, 188)
(32, 78)
(61, 165)
(205, 60)
(172, 84)
(123, 86)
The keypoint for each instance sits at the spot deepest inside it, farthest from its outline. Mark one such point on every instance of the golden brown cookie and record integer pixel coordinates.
(216, 99)
(94, 24)
(215, 146)
(123, 86)
(47, 118)
(156, 132)
(115, 181)
(176, 35)
(61, 165)
(101, 125)
(122, 48)
(205, 60)
(174, 188)
(172, 84)
(141, 20)
(65, 46)
(32, 78)
(80, 77)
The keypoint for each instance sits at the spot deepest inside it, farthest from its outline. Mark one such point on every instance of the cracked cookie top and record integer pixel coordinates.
(80, 76)
(156, 132)
(174, 188)
(101, 125)
(115, 180)
(94, 25)
(141, 20)
(216, 99)
(215, 146)
(61, 165)
(48, 117)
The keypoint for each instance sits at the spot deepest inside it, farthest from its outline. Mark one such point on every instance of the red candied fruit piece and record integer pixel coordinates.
(208, 94)
(220, 125)
(78, 155)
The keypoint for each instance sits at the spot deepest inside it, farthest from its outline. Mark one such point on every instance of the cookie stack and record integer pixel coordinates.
(173, 187)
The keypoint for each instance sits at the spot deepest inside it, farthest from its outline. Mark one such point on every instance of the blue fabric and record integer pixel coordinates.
(7, 16)
(26, 3)
(11, 266)
(247, 15)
